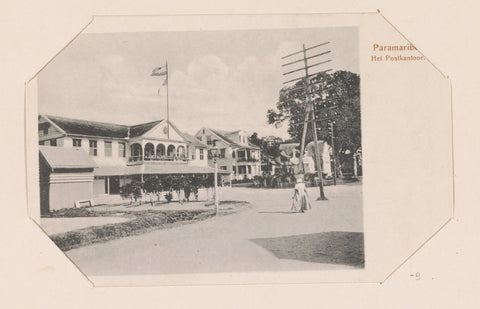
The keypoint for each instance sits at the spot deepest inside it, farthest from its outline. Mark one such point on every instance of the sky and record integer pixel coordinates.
(219, 79)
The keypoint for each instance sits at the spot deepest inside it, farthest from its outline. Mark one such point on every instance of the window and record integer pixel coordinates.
(242, 169)
(233, 154)
(92, 147)
(77, 142)
(45, 131)
(209, 140)
(201, 154)
(42, 143)
(121, 150)
(193, 153)
(53, 142)
(108, 148)
(249, 169)
(222, 153)
(224, 168)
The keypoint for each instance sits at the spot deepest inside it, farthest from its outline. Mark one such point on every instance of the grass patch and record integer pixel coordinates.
(143, 221)
(72, 212)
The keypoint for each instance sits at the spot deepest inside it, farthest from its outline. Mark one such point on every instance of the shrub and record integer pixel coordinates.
(169, 197)
(144, 221)
(132, 190)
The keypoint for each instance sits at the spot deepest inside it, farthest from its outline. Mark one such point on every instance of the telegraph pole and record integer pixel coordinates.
(314, 127)
(309, 108)
(330, 127)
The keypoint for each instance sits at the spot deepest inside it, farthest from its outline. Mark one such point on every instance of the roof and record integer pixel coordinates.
(85, 127)
(104, 129)
(289, 148)
(154, 169)
(62, 157)
(190, 139)
(140, 129)
(223, 135)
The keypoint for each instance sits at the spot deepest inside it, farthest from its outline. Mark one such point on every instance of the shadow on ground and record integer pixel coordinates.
(344, 248)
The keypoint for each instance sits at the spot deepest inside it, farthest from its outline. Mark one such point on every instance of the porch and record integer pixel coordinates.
(139, 159)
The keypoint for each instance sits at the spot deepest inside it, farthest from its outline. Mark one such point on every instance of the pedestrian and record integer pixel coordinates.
(300, 196)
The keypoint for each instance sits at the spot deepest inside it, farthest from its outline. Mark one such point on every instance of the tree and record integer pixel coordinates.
(132, 190)
(178, 184)
(152, 185)
(167, 183)
(332, 93)
(255, 140)
(195, 184)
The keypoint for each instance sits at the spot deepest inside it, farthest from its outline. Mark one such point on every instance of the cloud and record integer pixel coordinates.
(213, 94)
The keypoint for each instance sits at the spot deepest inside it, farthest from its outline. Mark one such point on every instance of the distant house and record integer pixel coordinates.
(117, 154)
(325, 155)
(237, 155)
(270, 140)
(291, 150)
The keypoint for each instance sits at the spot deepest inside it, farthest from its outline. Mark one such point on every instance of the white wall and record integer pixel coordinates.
(197, 161)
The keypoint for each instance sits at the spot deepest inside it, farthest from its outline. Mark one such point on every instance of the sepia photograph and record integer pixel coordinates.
(196, 154)
(190, 152)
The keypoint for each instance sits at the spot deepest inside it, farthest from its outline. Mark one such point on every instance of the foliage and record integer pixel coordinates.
(144, 221)
(168, 196)
(340, 89)
(195, 184)
(72, 212)
(152, 184)
(156, 184)
(132, 190)
(255, 140)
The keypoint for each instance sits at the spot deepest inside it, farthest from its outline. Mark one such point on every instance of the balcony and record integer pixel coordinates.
(243, 159)
(135, 160)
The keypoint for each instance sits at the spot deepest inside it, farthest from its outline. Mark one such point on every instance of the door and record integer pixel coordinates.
(114, 185)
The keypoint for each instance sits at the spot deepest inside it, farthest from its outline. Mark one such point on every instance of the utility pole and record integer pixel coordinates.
(215, 177)
(314, 127)
(330, 128)
(309, 107)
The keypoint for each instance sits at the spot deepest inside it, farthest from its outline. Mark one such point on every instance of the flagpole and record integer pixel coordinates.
(168, 112)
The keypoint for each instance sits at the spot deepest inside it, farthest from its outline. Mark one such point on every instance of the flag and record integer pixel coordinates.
(160, 71)
(165, 82)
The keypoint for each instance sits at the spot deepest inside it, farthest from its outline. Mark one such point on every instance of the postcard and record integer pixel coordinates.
(245, 149)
